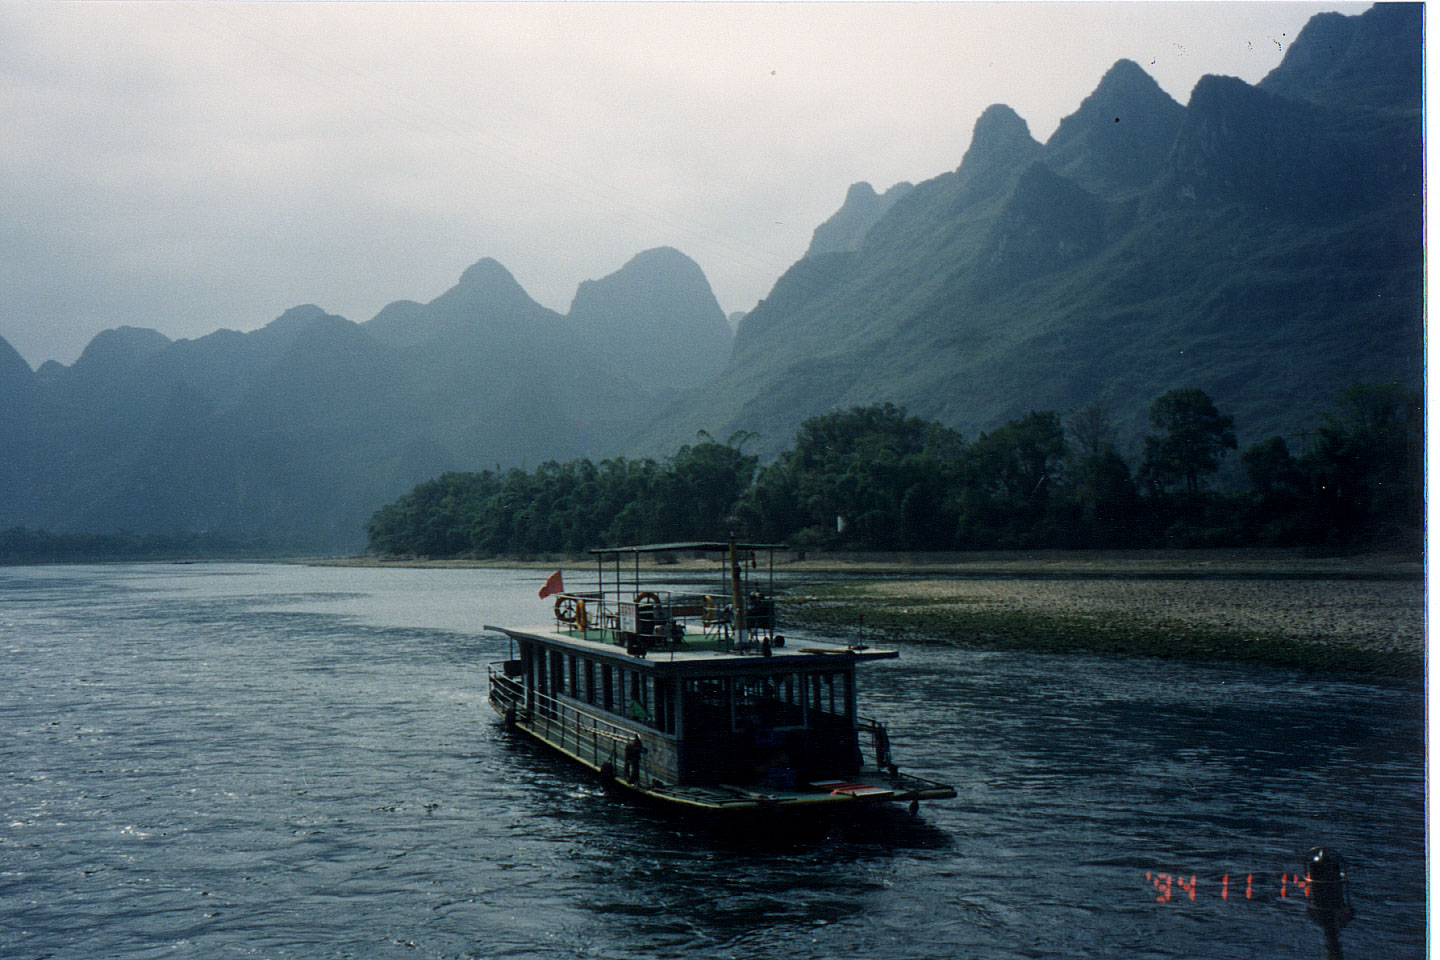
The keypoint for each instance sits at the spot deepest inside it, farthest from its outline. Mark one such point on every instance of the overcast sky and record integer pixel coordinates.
(189, 167)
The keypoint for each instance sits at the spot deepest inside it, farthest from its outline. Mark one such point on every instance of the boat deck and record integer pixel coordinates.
(856, 791)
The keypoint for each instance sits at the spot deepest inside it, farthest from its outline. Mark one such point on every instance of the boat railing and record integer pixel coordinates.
(578, 730)
(879, 742)
(659, 618)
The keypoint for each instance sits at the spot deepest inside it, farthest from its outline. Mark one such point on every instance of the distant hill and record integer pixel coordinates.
(654, 321)
(298, 431)
(1263, 243)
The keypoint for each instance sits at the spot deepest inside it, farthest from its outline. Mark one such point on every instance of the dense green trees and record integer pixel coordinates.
(1195, 437)
(869, 475)
(877, 478)
(1362, 481)
(567, 507)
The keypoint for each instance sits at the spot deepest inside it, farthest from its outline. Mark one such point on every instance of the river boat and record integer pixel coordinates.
(695, 701)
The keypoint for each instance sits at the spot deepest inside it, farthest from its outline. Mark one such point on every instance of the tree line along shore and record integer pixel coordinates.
(877, 479)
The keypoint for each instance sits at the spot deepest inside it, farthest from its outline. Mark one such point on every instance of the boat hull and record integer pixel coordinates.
(599, 745)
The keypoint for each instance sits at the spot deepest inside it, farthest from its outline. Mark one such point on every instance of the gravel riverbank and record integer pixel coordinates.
(1352, 623)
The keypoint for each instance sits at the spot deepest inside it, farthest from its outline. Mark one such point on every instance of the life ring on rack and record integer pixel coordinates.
(565, 609)
(570, 609)
(648, 597)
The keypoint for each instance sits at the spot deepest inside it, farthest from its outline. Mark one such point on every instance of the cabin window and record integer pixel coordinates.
(607, 682)
(637, 703)
(707, 706)
(664, 705)
(557, 673)
(589, 681)
(527, 663)
(574, 684)
(761, 702)
(826, 697)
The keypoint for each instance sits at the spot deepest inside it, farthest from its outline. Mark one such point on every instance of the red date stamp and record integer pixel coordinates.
(1167, 886)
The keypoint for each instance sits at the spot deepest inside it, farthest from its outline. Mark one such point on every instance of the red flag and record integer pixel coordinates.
(553, 584)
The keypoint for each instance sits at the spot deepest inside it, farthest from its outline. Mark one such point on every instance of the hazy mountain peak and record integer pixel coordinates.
(662, 263)
(1000, 145)
(121, 346)
(486, 284)
(1213, 89)
(655, 319)
(301, 314)
(1124, 76)
(1120, 135)
(293, 320)
(488, 272)
(659, 265)
(846, 228)
(998, 129)
(1372, 60)
(860, 192)
(1125, 93)
(487, 302)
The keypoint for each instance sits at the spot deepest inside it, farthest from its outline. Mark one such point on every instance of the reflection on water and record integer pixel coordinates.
(237, 759)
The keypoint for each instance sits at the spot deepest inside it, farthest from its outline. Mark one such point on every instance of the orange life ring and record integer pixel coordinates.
(565, 608)
(648, 597)
(582, 619)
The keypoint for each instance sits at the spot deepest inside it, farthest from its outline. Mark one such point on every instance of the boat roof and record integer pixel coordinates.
(699, 546)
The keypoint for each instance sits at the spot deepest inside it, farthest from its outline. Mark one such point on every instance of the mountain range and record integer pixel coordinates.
(1263, 243)
(298, 431)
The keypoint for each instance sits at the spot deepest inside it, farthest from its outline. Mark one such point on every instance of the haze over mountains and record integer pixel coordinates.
(1263, 243)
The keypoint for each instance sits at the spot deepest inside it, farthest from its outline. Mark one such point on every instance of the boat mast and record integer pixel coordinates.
(737, 597)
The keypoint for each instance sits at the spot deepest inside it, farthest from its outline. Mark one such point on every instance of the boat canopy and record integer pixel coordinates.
(698, 546)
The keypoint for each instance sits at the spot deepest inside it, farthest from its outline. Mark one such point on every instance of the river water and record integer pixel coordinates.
(249, 760)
